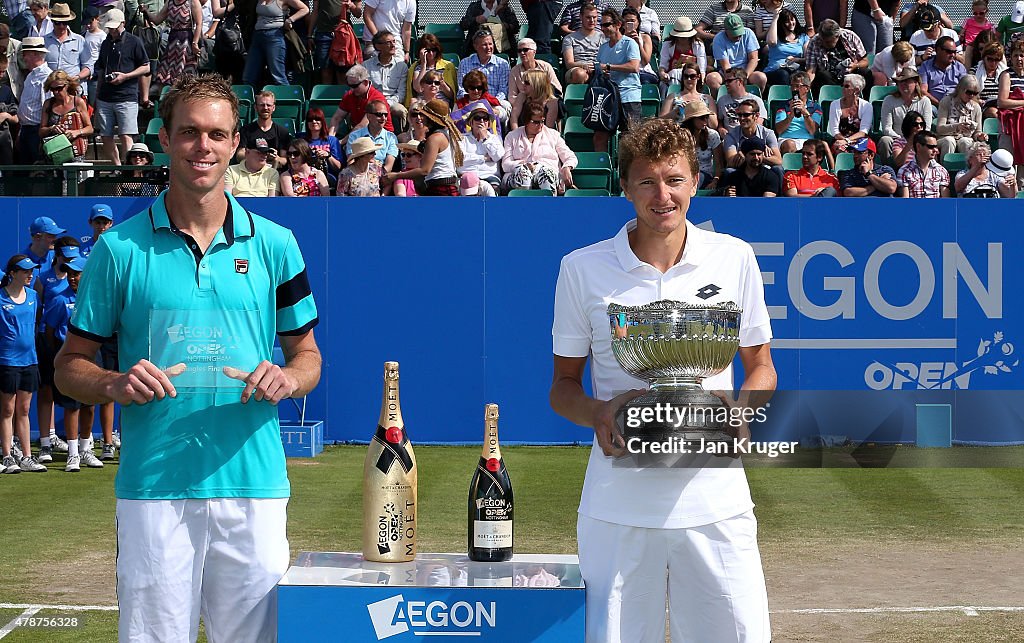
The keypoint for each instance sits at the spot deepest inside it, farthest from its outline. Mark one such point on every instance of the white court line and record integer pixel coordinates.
(969, 610)
(10, 627)
(58, 608)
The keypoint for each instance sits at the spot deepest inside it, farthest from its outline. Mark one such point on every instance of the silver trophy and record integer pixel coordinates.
(674, 345)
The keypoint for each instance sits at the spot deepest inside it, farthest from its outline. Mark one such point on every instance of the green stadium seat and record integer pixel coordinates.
(554, 60)
(574, 99)
(453, 58)
(152, 135)
(161, 159)
(675, 88)
(287, 123)
(505, 57)
(954, 162)
(326, 97)
(706, 192)
(291, 101)
(778, 97)
(650, 100)
(578, 137)
(586, 192)
(879, 92)
(830, 93)
(844, 161)
(529, 193)
(792, 161)
(991, 127)
(594, 170)
(246, 102)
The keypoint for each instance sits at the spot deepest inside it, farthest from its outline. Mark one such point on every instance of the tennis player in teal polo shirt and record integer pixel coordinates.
(202, 487)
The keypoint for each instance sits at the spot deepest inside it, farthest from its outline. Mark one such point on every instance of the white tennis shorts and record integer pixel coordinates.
(177, 559)
(711, 576)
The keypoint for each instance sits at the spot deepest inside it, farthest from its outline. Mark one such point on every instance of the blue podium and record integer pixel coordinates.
(341, 597)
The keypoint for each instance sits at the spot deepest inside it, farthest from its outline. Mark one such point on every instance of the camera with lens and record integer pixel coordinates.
(109, 77)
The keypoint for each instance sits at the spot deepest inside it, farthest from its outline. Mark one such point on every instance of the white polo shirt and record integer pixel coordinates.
(590, 278)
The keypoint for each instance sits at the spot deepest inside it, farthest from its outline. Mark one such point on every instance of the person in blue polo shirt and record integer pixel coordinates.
(40, 250)
(78, 417)
(100, 219)
(202, 487)
(19, 373)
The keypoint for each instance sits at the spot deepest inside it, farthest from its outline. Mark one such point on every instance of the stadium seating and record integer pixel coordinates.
(792, 161)
(291, 101)
(529, 193)
(578, 137)
(287, 123)
(451, 37)
(879, 92)
(844, 161)
(326, 97)
(954, 162)
(991, 127)
(161, 159)
(650, 100)
(574, 99)
(453, 58)
(594, 171)
(751, 89)
(152, 135)
(826, 95)
(246, 102)
(586, 192)
(778, 96)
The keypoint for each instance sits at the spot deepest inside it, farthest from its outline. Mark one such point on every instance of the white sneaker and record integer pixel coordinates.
(16, 452)
(73, 464)
(10, 465)
(29, 464)
(117, 440)
(108, 452)
(90, 460)
(57, 444)
(45, 454)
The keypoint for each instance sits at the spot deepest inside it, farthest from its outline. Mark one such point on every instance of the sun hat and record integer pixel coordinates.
(683, 28)
(112, 19)
(33, 43)
(412, 145)
(362, 147)
(695, 108)
(140, 148)
(61, 12)
(907, 73)
(1000, 162)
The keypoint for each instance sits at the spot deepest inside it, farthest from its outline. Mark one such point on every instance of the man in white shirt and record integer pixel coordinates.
(389, 74)
(41, 25)
(396, 16)
(647, 534)
(30, 105)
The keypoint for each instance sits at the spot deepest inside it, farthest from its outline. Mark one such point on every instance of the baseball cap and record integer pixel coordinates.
(1001, 162)
(77, 264)
(112, 19)
(101, 211)
(733, 25)
(1018, 12)
(752, 143)
(45, 225)
(258, 144)
(864, 145)
(469, 184)
(70, 252)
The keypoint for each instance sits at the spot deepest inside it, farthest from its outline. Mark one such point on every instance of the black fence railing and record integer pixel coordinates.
(82, 180)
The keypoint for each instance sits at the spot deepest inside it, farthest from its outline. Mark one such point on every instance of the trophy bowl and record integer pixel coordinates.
(674, 346)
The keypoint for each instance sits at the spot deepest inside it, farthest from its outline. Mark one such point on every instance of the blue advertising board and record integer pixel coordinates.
(881, 295)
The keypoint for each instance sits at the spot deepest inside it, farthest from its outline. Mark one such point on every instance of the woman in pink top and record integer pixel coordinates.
(973, 26)
(536, 157)
(410, 160)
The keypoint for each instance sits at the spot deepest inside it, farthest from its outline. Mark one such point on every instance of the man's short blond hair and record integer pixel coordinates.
(655, 140)
(189, 88)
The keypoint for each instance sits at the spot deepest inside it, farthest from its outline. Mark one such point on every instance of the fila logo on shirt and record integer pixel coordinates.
(708, 291)
(241, 266)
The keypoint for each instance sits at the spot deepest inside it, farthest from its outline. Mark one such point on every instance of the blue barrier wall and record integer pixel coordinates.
(865, 294)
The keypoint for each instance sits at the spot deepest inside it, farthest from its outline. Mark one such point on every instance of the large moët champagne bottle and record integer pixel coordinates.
(490, 499)
(389, 483)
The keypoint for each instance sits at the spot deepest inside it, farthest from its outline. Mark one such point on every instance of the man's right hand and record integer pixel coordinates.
(143, 383)
(608, 436)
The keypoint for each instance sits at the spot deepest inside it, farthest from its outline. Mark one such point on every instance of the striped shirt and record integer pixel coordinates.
(571, 15)
(716, 13)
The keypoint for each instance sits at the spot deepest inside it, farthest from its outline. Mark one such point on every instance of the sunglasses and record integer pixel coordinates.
(931, 146)
(311, 121)
(409, 155)
(732, 80)
(481, 117)
(58, 89)
(436, 83)
(536, 122)
(474, 88)
(744, 114)
(949, 51)
(415, 115)
(691, 76)
(994, 60)
(378, 114)
(607, 25)
(292, 154)
(524, 50)
(387, 43)
(971, 92)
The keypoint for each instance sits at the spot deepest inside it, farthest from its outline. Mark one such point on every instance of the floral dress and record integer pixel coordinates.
(365, 184)
(305, 185)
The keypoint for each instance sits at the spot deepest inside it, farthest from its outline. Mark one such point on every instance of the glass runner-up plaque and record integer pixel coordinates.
(195, 346)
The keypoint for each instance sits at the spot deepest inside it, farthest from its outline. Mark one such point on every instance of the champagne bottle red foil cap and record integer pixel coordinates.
(493, 465)
(393, 434)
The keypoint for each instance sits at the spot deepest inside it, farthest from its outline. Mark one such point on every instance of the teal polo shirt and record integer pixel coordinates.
(204, 443)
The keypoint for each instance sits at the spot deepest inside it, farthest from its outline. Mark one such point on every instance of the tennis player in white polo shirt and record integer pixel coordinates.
(687, 535)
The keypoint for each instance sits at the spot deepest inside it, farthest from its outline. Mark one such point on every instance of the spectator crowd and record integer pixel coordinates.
(349, 98)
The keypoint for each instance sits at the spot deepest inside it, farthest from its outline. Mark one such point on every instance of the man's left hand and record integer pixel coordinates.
(268, 382)
(737, 427)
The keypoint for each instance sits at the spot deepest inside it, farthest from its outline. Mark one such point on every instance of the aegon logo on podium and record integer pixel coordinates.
(393, 616)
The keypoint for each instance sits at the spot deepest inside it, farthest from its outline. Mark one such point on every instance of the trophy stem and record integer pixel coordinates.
(676, 382)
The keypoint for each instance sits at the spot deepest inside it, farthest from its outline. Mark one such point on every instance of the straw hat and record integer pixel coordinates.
(906, 73)
(61, 12)
(362, 147)
(683, 28)
(411, 145)
(437, 111)
(695, 108)
(33, 43)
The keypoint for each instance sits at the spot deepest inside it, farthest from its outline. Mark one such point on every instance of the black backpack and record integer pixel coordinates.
(601, 103)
